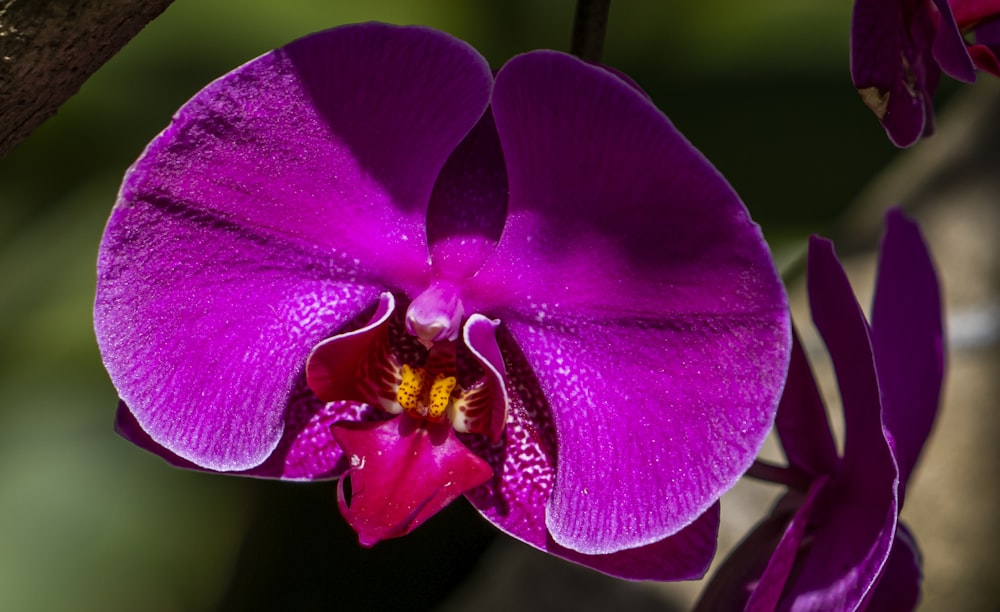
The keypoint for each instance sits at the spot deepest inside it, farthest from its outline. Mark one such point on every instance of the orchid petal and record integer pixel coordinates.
(890, 66)
(264, 217)
(468, 207)
(899, 586)
(334, 364)
(773, 580)
(206, 334)
(853, 542)
(127, 427)
(908, 340)
(969, 13)
(524, 470)
(303, 142)
(801, 422)
(949, 46)
(307, 450)
(754, 575)
(402, 472)
(480, 336)
(848, 550)
(867, 463)
(642, 296)
(987, 48)
(735, 580)
(686, 555)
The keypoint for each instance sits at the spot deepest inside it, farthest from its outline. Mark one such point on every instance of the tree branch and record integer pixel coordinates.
(590, 23)
(48, 48)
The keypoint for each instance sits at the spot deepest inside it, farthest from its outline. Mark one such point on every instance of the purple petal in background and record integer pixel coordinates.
(768, 593)
(908, 340)
(857, 517)
(867, 463)
(949, 45)
(970, 13)
(899, 587)
(801, 422)
(892, 67)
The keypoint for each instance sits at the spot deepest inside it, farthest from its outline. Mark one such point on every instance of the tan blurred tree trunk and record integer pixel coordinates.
(48, 48)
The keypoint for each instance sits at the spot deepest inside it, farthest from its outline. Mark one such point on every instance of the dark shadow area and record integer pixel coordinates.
(299, 554)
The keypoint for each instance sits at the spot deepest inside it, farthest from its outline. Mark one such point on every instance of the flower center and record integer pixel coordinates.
(424, 397)
(458, 382)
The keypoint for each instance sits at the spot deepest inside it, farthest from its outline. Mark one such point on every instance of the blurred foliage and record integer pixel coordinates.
(90, 523)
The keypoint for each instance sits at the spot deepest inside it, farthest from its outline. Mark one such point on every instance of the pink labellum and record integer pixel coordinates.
(403, 471)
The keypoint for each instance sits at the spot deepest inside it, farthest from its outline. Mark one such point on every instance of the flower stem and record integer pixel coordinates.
(791, 477)
(589, 26)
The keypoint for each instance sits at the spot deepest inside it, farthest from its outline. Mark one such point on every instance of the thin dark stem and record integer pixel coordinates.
(589, 25)
(792, 478)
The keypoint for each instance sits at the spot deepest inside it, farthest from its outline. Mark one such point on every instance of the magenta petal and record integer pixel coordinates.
(127, 427)
(642, 296)
(204, 328)
(867, 463)
(735, 580)
(754, 576)
(899, 588)
(908, 339)
(306, 451)
(686, 555)
(334, 364)
(279, 202)
(949, 46)
(524, 469)
(848, 550)
(304, 143)
(987, 57)
(892, 67)
(854, 533)
(468, 207)
(801, 422)
(771, 585)
(402, 472)
(480, 336)
(969, 13)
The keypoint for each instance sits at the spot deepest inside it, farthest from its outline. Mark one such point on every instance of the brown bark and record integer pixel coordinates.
(48, 48)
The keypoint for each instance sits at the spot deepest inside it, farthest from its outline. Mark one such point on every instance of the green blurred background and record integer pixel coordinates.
(88, 522)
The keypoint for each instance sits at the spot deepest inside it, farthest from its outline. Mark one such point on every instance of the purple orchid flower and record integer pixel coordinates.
(363, 256)
(834, 541)
(900, 47)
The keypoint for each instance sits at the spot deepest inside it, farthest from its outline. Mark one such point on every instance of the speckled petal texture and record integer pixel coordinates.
(276, 206)
(524, 473)
(641, 295)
